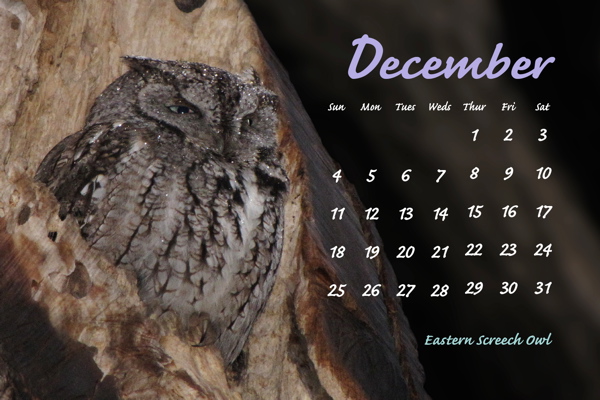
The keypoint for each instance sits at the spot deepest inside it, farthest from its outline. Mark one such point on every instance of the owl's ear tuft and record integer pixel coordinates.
(250, 76)
(151, 69)
(143, 64)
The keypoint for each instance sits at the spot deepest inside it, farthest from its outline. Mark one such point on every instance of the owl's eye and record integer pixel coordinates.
(248, 121)
(181, 110)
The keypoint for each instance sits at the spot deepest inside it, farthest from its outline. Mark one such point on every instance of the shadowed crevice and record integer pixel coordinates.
(39, 362)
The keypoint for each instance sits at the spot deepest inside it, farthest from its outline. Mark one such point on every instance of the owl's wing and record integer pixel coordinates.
(73, 164)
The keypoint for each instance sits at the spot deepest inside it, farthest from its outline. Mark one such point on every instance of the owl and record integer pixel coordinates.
(176, 176)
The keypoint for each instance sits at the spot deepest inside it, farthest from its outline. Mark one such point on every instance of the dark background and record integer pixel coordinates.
(313, 41)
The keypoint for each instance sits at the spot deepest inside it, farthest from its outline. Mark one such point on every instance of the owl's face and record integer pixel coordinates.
(206, 106)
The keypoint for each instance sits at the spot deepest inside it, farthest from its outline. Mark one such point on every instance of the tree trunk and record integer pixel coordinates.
(73, 326)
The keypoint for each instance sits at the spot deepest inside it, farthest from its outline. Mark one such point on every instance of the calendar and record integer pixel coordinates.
(465, 159)
(299, 200)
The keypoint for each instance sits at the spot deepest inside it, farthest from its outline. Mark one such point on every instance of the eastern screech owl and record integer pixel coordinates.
(176, 176)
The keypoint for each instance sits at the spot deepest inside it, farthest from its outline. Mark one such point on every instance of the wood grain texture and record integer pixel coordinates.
(305, 345)
(317, 35)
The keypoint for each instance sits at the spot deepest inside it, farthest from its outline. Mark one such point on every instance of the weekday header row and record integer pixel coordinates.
(447, 106)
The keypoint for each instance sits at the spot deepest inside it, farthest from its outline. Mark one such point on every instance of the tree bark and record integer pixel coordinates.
(72, 325)
(317, 35)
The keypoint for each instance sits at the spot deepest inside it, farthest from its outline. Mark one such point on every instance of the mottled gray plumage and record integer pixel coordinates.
(176, 176)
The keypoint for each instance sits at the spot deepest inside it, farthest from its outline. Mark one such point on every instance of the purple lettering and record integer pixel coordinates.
(361, 43)
(494, 62)
(392, 68)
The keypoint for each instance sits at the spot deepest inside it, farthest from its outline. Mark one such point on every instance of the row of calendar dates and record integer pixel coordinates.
(442, 290)
(543, 173)
(440, 214)
(472, 250)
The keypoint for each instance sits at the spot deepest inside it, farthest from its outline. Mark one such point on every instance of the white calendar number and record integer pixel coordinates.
(544, 172)
(543, 288)
(406, 175)
(474, 173)
(405, 290)
(509, 172)
(372, 252)
(475, 211)
(337, 251)
(475, 132)
(440, 252)
(372, 290)
(441, 213)
(440, 291)
(406, 252)
(543, 135)
(336, 290)
(371, 177)
(474, 288)
(543, 211)
(338, 212)
(406, 213)
(542, 250)
(509, 249)
(507, 138)
(510, 211)
(337, 175)
(372, 213)
(442, 172)
(509, 288)
(474, 250)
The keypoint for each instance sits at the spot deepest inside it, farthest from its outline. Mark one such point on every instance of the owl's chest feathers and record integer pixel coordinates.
(252, 204)
(208, 210)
